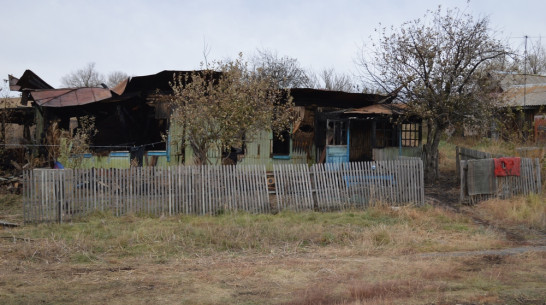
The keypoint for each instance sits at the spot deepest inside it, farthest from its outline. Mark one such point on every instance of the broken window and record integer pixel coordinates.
(280, 145)
(336, 132)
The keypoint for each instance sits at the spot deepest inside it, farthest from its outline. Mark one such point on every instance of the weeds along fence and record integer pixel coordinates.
(59, 195)
(478, 181)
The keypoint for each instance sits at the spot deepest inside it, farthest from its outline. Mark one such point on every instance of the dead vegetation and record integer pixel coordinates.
(355, 257)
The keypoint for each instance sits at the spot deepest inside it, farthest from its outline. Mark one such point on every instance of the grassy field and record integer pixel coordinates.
(383, 255)
(377, 256)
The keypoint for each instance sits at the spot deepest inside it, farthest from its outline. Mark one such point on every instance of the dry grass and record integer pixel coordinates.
(528, 211)
(10, 208)
(354, 257)
(487, 145)
(375, 231)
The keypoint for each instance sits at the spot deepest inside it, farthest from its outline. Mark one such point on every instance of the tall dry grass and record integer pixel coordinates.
(375, 231)
(528, 211)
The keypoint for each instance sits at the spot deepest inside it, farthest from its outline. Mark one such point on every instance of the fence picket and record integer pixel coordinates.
(58, 195)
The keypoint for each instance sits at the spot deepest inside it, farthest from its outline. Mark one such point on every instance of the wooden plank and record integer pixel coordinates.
(422, 181)
(297, 190)
(462, 176)
(265, 190)
(277, 187)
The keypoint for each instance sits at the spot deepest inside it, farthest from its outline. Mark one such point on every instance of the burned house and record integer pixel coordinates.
(133, 126)
(129, 122)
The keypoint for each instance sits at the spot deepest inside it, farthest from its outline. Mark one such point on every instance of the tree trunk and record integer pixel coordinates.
(430, 151)
(200, 151)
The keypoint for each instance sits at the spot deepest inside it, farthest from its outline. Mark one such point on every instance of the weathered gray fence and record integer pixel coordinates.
(465, 154)
(343, 185)
(360, 183)
(58, 195)
(479, 183)
(293, 187)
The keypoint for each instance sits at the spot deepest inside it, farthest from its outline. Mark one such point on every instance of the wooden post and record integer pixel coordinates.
(462, 180)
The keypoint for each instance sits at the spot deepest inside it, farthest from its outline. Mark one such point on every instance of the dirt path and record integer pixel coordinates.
(499, 252)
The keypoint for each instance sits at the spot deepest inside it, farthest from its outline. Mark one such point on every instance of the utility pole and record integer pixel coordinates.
(525, 73)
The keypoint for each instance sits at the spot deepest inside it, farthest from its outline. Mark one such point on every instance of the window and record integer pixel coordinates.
(336, 132)
(280, 145)
(411, 135)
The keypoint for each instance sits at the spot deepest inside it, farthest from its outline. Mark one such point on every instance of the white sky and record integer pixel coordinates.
(140, 37)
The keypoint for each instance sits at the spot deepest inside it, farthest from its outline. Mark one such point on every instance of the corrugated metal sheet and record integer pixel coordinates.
(29, 80)
(524, 90)
(70, 97)
(509, 80)
(526, 95)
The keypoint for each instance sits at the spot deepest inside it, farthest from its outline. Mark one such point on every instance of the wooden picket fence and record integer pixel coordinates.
(60, 195)
(360, 184)
(334, 186)
(293, 187)
(528, 182)
(465, 154)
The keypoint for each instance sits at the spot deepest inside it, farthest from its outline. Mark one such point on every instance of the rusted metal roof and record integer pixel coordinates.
(386, 109)
(44, 95)
(524, 90)
(69, 97)
(526, 95)
(120, 88)
(144, 86)
(29, 80)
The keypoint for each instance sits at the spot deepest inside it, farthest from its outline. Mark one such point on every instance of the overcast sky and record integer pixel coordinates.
(139, 37)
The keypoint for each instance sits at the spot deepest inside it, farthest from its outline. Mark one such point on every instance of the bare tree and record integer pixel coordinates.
(115, 78)
(216, 111)
(336, 82)
(439, 62)
(84, 77)
(285, 71)
(535, 60)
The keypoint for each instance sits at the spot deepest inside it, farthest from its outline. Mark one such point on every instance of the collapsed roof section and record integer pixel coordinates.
(69, 97)
(28, 81)
(37, 90)
(337, 99)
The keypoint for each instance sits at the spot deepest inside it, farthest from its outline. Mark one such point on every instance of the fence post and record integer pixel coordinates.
(462, 180)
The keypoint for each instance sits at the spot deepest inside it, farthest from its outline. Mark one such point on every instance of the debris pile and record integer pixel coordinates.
(11, 184)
